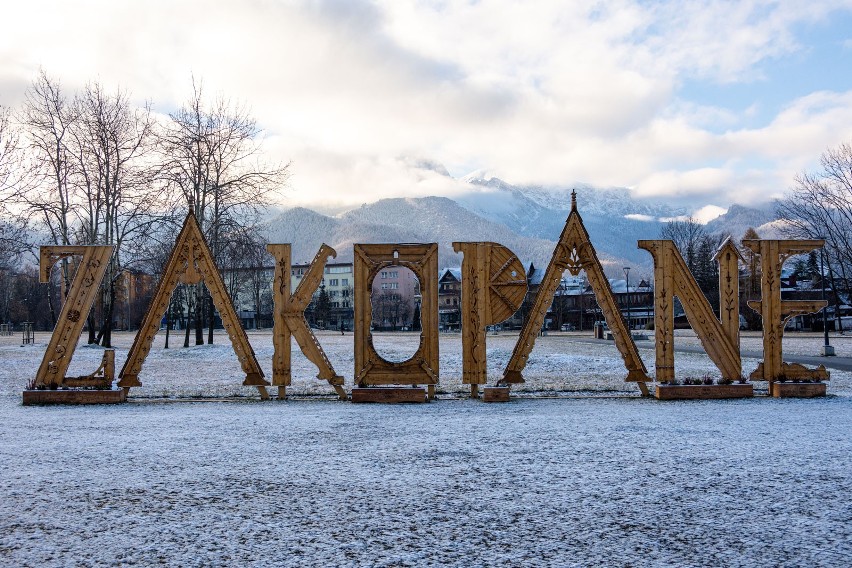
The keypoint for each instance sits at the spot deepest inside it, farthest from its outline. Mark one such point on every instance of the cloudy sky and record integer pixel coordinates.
(700, 103)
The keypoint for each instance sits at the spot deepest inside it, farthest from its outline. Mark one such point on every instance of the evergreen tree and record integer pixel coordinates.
(323, 309)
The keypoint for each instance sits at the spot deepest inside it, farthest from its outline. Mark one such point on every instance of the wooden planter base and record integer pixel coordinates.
(703, 392)
(495, 394)
(33, 397)
(797, 390)
(389, 394)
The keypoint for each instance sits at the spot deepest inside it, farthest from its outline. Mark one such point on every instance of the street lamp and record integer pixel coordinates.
(627, 286)
(827, 350)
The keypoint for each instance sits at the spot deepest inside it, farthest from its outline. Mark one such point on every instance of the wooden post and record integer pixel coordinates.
(728, 257)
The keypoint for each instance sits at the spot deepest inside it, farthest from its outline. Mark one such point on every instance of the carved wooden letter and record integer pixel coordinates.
(290, 319)
(774, 312)
(673, 278)
(63, 341)
(574, 252)
(370, 367)
(493, 288)
(191, 262)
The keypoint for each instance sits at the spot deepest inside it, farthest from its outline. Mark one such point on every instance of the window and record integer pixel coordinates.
(384, 274)
(332, 282)
(394, 286)
(344, 282)
(339, 269)
(384, 285)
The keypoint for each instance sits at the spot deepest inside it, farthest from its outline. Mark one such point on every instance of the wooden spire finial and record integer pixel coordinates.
(573, 200)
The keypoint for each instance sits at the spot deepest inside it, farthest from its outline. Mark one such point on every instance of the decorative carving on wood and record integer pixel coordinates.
(673, 278)
(493, 288)
(191, 262)
(370, 367)
(728, 257)
(773, 311)
(574, 252)
(69, 326)
(289, 319)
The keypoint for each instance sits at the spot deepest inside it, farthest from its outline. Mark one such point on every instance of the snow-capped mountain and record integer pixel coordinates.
(403, 220)
(528, 220)
(615, 221)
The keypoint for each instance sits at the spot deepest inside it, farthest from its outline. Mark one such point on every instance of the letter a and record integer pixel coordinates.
(574, 252)
(190, 263)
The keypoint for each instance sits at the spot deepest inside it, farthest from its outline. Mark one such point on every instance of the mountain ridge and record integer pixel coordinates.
(528, 220)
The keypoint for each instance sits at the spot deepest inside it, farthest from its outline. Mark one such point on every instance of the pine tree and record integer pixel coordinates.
(323, 310)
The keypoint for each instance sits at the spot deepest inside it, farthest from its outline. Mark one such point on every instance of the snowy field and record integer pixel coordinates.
(590, 475)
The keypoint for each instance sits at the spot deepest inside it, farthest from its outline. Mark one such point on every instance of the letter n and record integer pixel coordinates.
(673, 278)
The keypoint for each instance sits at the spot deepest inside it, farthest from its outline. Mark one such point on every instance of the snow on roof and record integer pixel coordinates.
(454, 272)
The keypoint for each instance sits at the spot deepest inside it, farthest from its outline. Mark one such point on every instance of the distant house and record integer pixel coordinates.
(395, 297)
(449, 299)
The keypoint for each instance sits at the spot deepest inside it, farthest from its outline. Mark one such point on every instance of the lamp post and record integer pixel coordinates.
(627, 286)
(827, 350)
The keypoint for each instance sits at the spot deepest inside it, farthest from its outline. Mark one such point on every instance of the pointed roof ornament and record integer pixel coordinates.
(192, 208)
(573, 200)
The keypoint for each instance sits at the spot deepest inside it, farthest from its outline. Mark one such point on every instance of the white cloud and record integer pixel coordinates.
(538, 92)
(708, 213)
(640, 217)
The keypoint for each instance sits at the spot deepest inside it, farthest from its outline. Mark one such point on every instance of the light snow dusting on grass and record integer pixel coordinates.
(595, 477)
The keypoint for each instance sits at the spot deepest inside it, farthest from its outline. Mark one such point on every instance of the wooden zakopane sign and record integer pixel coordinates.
(493, 288)
(289, 319)
(574, 252)
(422, 367)
(63, 341)
(190, 263)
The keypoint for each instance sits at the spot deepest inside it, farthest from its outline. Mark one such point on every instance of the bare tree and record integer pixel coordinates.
(47, 116)
(111, 145)
(211, 154)
(13, 229)
(687, 235)
(819, 205)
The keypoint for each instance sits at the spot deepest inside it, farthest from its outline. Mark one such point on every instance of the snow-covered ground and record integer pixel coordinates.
(596, 476)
